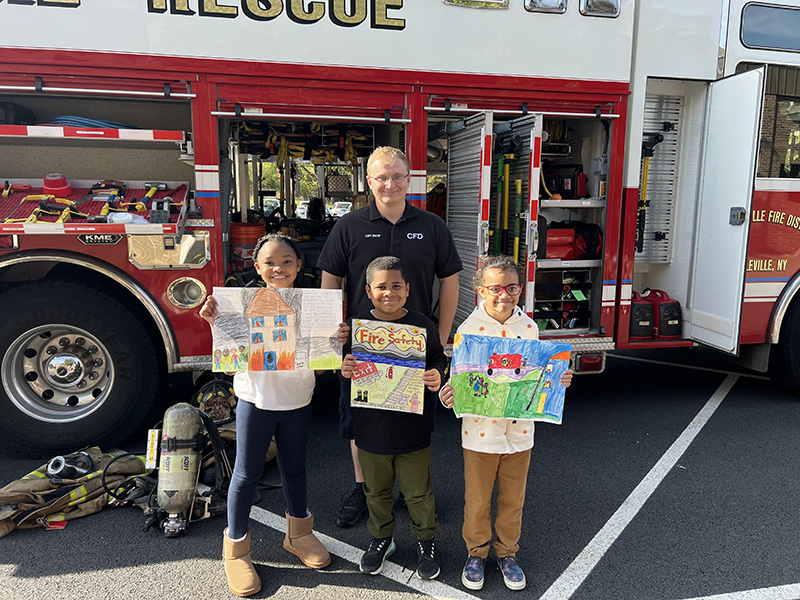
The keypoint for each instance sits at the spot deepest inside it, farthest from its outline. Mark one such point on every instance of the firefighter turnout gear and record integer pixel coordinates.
(38, 500)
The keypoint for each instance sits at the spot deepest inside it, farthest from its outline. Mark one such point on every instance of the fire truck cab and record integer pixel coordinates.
(608, 146)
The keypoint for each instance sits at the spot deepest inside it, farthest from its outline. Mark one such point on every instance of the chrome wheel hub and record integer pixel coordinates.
(57, 373)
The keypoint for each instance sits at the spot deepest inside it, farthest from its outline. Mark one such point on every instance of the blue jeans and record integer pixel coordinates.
(254, 430)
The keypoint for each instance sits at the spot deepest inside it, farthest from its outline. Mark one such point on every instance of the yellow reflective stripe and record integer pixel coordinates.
(59, 516)
(77, 496)
(35, 475)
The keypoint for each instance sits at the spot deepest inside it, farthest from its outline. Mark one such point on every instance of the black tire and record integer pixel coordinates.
(785, 355)
(78, 367)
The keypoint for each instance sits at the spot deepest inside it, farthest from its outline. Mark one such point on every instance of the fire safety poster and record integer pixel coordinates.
(391, 361)
(509, 378)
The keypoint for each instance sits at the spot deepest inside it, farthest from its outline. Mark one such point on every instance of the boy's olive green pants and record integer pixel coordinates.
(413, 474)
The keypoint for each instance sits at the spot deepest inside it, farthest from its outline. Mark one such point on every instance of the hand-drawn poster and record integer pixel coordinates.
(391, 363)
(509, 378)
(266, 329)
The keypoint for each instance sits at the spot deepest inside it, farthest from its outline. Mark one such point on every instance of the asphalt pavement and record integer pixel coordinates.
(665, 481)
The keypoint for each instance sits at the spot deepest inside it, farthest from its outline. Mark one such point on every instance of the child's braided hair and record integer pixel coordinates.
(280, 238)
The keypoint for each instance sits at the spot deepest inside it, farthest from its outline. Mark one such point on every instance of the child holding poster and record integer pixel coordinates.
(495, 449)
(272, 402)
(397, 445)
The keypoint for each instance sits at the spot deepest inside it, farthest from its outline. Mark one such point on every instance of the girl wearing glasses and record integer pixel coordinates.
(495, 449)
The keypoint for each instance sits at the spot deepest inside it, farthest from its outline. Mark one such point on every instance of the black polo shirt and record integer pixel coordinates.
(420, 239)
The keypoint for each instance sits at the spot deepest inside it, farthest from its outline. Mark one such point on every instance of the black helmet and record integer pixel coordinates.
(217, 400)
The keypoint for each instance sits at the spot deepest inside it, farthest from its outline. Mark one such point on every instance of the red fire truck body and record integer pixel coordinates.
(505, 362)
(642, 119)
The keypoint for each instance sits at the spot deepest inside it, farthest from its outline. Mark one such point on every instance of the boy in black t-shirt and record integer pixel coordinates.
(397, 445)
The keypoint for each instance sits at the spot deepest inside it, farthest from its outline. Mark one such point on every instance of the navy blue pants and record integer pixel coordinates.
(254, 430)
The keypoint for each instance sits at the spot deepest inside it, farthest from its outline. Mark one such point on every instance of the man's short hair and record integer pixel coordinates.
(389, 153)
(385, 263)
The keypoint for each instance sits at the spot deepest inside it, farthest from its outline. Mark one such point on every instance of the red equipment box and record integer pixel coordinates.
(561, 244)
(668, 319)
(641, 318)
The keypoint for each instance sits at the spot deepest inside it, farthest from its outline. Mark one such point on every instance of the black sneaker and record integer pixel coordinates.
(379, 550)
(427, 565)
(354, 505)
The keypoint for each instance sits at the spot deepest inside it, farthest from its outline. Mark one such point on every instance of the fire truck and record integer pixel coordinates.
(610, 146)
(505, 362)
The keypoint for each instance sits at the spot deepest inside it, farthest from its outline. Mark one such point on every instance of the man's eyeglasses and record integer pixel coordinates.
(383, 180)
(512, 290)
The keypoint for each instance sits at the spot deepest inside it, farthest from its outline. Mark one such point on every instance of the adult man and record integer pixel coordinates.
(389, 226)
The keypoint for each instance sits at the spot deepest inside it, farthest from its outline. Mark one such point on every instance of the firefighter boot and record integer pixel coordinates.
(242, 577)
(302, 542)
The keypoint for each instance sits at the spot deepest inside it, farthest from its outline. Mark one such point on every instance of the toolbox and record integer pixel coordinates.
(668, 319)
(641, 318)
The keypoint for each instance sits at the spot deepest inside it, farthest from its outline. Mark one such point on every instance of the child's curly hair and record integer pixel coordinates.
(502, 262)
(385, 263)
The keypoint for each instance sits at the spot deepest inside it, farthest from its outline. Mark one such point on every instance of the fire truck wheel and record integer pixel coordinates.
(78, 368)
(785, 356)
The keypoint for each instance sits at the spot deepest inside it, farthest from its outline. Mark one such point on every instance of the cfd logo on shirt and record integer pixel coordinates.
(414, 236)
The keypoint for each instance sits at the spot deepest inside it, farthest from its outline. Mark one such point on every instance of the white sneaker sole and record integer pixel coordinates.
(515, 585)
(434, 576)
(471, 585)
(377, 571)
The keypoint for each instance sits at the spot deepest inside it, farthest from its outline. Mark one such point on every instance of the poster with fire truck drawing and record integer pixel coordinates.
(510, 378)
(391, 361)
(266, 329)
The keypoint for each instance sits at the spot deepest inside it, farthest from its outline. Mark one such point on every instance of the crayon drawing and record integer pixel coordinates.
(264, 329)
(391, 361)
(509, 378)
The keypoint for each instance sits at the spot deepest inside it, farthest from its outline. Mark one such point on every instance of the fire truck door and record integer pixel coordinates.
(468, 184)
(522, 138)
(716, 285)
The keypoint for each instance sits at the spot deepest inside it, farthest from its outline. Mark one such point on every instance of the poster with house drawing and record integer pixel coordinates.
(391, 361)
(509, 378)
(266, 329)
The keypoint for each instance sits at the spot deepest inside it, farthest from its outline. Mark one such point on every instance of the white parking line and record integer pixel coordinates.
(393, 571)
(781, 592)
(671, 364)
(577, 572)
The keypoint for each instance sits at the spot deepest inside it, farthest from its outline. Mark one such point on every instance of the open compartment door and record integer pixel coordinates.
(468, 183)
(716, 285)
(522, 137)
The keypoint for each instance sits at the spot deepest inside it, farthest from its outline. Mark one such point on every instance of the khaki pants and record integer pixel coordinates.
(413, 474)
(480, 472)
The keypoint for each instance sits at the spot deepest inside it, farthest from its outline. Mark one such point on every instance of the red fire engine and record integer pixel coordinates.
(610, 146)
(504, 361)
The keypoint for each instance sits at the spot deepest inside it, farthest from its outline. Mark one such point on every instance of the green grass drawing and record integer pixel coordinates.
(327, 362)
(504, 397)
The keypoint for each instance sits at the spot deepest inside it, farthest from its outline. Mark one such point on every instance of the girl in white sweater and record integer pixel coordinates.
(495, 449)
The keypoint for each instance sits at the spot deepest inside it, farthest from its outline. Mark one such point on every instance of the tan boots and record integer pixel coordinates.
(302, 542)
(242, 577)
